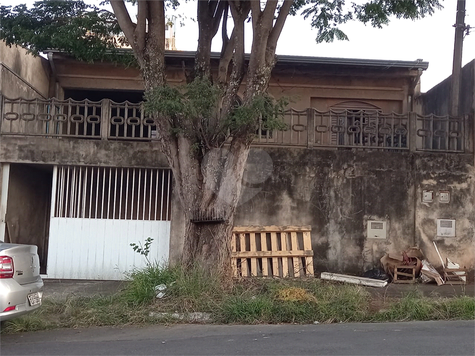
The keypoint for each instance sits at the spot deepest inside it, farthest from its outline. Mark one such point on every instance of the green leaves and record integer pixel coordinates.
(194, 110)
(327, 15)
(84, 31)
(261, 110)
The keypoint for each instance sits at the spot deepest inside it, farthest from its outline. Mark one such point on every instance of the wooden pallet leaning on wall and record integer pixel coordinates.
(272, 251)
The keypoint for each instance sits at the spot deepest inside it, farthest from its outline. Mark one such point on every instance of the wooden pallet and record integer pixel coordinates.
(404, 274)
(272, 251)
(451, 277)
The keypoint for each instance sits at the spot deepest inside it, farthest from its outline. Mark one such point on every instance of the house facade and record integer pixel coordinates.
(361, 161)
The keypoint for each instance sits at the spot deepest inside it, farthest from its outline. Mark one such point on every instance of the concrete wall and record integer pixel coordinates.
(81, 152)
(28, 208)
(436, 100)
(23, 75)
(337, 192)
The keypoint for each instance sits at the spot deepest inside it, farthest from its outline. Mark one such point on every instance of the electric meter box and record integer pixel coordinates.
(376, 229)
(445, 227)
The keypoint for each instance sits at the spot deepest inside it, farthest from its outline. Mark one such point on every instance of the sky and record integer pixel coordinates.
(430, 39)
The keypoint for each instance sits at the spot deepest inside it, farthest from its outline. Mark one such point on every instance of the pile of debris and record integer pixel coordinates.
(408, 267)
(411, 265)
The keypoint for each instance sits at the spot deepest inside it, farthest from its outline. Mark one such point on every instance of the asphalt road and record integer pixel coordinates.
(407, 338)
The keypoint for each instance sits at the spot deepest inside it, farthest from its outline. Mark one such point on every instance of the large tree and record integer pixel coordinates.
(206, 127)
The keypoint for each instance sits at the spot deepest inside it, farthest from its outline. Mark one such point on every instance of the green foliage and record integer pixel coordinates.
(142, 282)
(83, 31)
(143, 250)
(261, 109)
(327, 15)
(192, 107)
(414, 306)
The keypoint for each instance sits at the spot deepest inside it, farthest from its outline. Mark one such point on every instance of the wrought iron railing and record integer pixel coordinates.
(360, 129)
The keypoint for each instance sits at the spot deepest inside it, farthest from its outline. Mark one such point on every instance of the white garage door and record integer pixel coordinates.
(97, 212)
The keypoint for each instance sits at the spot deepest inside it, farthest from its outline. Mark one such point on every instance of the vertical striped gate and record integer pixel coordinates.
(97, 212)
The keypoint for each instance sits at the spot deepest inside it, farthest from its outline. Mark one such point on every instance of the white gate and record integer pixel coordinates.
(97, 212)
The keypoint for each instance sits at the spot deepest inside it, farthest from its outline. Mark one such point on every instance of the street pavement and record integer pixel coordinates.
(404, 338)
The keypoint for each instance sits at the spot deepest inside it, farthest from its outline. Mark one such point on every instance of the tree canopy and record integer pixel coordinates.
(90, 33)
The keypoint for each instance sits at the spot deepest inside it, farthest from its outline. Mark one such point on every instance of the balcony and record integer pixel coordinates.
(310, 128)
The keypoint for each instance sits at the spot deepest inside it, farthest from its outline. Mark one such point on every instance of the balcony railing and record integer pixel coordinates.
(361, 129)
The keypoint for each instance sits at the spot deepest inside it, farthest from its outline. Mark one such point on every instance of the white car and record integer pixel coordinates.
(21, 286)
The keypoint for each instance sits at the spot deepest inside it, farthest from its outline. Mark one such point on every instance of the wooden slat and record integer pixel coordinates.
(234, 260)
(285, 260)
(275, 260)
(295, 247)
(248, 254)
(253, 248)
(272, 228)
(244, 269)
(265, 260)
(307, 245)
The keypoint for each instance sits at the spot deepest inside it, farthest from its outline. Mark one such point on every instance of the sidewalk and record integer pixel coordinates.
(63, 288)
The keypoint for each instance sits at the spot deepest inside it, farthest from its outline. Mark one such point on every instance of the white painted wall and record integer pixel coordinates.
(99, 249)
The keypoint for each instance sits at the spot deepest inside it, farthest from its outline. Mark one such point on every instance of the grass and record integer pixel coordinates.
(250, 301)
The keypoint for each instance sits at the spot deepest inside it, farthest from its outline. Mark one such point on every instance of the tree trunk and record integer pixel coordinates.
(209, 210)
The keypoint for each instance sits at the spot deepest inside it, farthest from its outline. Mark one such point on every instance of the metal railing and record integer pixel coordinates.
(356, 129)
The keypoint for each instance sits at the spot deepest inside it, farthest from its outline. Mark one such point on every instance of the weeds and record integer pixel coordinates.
(249, 301)
(415, 307)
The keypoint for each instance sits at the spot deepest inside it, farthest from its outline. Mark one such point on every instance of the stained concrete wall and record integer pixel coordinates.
(453, 174)
(436, 100)
(337, 192)
(23, 75)
(81, 152)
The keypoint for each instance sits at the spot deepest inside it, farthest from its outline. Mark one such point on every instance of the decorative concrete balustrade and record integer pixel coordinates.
(364, 129)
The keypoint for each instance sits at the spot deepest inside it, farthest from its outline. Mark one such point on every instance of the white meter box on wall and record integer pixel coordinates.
(376, 229)
(446, 227)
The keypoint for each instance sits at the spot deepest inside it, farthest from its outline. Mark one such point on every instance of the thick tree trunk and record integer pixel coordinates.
(209, 211)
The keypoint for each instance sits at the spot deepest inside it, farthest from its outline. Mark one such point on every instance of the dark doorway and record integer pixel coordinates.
(28, 207)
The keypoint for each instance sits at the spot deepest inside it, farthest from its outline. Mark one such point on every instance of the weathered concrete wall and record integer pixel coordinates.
(81, 152)
(436, 100)
(337, 192)
(23, 75)
(455, 175)
(29, 197)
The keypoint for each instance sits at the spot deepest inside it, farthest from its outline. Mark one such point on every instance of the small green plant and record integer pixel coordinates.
(144, 249)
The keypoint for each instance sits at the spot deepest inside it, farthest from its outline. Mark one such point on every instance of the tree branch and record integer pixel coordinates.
(141, 28)
(269, 13)
(124, 20)
(218, 14)
(279, 23)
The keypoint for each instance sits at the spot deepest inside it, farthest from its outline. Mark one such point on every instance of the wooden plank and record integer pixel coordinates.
(244, 269)
(234, 260)
(265, 260)
(285, 260)
(272, 228)
(295, 247)
(275, 260)
(253, 249)
(269, 254)
(307, 245)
